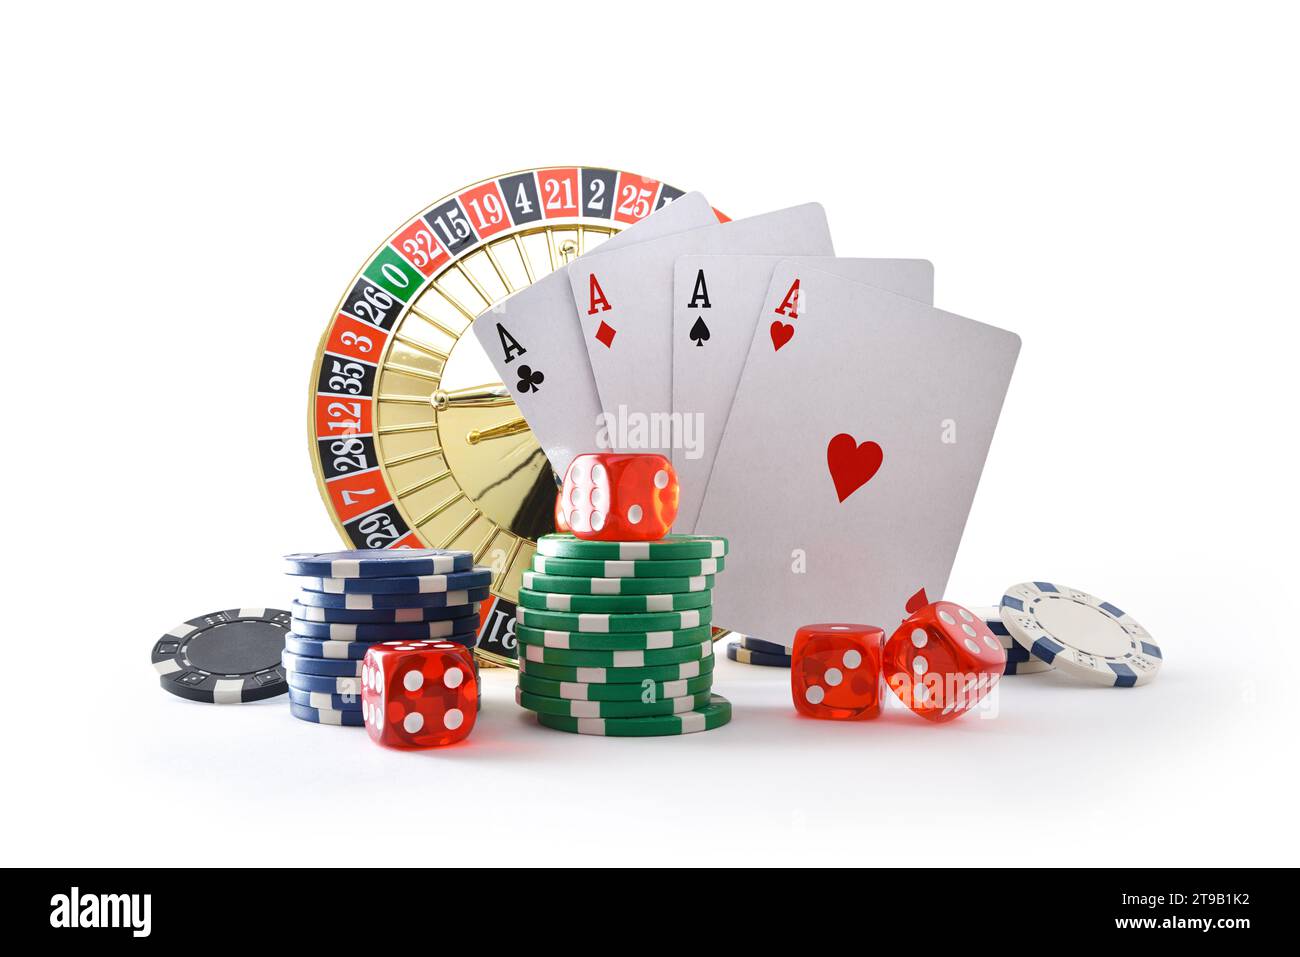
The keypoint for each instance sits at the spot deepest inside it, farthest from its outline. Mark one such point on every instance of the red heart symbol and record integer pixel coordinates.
(851, 465)
(781, 334)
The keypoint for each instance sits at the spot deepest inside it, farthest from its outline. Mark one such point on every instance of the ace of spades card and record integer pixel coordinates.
(852, 453)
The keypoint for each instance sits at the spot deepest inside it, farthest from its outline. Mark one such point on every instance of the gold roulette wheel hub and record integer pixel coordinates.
(413, 440)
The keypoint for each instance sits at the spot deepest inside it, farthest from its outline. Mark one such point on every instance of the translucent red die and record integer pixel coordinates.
(943, 660)
(561, 520)
(419, 694)
(835, 671)
(619, 497)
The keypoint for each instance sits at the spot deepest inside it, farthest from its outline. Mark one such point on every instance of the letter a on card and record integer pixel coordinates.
(598, 301)
(790, 304)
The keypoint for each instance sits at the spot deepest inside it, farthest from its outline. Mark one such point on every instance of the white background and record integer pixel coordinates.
(186, 194)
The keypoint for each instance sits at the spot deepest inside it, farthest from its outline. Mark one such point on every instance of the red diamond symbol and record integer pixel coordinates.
(605, 334)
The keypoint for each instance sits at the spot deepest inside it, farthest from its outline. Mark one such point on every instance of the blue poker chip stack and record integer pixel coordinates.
(351, 600)
(755, 651)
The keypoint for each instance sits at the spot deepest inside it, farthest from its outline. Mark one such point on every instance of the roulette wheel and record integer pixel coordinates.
(413, 440)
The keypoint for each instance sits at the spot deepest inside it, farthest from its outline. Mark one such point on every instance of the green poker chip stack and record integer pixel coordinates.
(615, 638)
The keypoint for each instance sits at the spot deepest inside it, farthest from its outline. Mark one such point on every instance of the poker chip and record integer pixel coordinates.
(609, 623)
(330, 685)
(353, 602)
(383, 616)
(712, 715)
(339, 650)
(738, 652)
(617, 676)
(339, 631)
(613, 604)
(617, 659)
(336, 667)
(613, 641)
(637, 691)
(1019, 660)
(609, 709)
(614, 568)
(376, 563)
(324, 700)
(418, 585)
(1080, 635)
(226, 657)
(767, 647)
(572, 585)
(670, 548)
(325, 716)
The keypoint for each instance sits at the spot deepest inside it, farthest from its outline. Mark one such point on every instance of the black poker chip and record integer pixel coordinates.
(227, 657)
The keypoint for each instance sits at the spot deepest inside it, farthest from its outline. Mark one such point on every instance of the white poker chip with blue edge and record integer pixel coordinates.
(379, 563)
(1080, 635)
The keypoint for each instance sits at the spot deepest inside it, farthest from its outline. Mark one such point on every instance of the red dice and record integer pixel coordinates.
(419, 694)
(619, 497)
(561, 520)
(835, 671)
(942, 661)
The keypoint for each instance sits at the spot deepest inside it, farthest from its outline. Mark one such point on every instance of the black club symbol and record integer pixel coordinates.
(530, 381)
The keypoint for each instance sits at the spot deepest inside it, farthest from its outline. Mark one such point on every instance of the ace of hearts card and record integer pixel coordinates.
(852, 453)
(715, 306)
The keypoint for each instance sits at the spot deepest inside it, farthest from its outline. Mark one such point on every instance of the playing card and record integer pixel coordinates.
(625, 297)
(851, 455)
(534, 341)
(715, 308)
